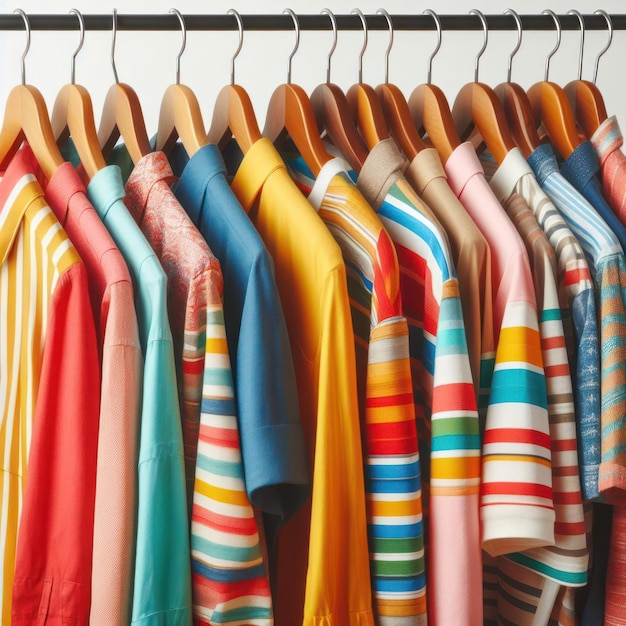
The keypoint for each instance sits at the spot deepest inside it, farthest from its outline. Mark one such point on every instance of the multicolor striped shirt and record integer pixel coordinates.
(393, 492)
(606, 258)
(225, 545)
(49, 406)
(443, 389)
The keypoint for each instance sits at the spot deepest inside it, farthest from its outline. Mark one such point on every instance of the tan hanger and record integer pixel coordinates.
(72, 114)
(551, 107)
(26, 118)
(122, 115)
(364, 102)
(430, 110)
(395, 107)
(290, 113)
(334, 116)
(180, 114)
(517, 108)
(477, 107)
(233, 113)
(585, 98)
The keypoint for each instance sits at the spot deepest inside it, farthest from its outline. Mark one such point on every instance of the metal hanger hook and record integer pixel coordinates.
(609, 23)
(483, 21)
(364, 23)
(239, 45)
(558, 40)
(581, 21)
(296, 26)
(183, 45)
(81, 25)
(389, 46)
(113, 38)
(333, 23)
(518, 23)
(439, 37)
(27, 48)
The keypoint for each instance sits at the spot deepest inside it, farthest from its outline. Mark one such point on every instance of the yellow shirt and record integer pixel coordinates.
(323, 574)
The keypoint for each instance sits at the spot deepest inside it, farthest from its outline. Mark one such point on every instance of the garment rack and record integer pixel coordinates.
(276, 22)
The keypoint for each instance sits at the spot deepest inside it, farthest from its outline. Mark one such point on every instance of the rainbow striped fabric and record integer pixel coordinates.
(394, 507)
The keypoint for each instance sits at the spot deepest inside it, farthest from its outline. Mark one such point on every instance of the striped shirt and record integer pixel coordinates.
(516, 491)
(608, 141)
(230, 582)
(384, 386)
(442, 386)
(607, 262)
(49, 406)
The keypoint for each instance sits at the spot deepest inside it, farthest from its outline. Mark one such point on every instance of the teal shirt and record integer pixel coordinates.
(162, 581)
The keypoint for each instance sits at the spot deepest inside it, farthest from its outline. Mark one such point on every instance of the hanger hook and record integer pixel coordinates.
(558, 40)
(364, 23)
(483, 21)
(81, 25)
(434, 52)
(581, 21)
(27, 48)
(296, 26)
(609, 23)
(183, 45)
(390, 23)
(113, 38)
(333, 23)
(239, 45)
(518, 23)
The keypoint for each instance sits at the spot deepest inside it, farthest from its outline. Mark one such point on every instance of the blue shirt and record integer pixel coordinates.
(581, 169)
(162, 581)
(272, 439)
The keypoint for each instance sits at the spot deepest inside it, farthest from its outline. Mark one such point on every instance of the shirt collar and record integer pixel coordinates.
(105, 189)
(198, 171)
(382, 169)
(64, 184)
(543, 162)
(424, 168)
(607, 138)
(581, 166)
(151, 169)
(258, 164)
(329, 170)
(462, 165)
(511, 170)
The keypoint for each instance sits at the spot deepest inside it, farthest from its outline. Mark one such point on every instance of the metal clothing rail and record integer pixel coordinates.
(274, 22)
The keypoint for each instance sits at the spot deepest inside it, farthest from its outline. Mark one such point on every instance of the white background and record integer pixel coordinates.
(146, 60)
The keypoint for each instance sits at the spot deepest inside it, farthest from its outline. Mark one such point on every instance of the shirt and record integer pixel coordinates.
(471, 255)
(580, 169)
(49, 401)
(161, 584)
(272, 440)
(384, 385)
(442, 386)
(516, 490)
(606, 260)
(607, 142)
(225, 544)
(113, 308)
(333, 588)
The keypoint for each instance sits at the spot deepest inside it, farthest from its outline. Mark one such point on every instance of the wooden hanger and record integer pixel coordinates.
(430, 110)
(290, 113)
(122, 115)
(517, 108)
(180, 114)
(477, 107)
(551, 106)
(26, 118)
(334, 116)
(72, 114)
(233, 113)
(585, 98)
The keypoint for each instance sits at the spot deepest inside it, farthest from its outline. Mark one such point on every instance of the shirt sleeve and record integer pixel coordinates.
(54, 546)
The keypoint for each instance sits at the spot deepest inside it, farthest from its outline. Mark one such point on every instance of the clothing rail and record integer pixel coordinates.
(276, 22)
